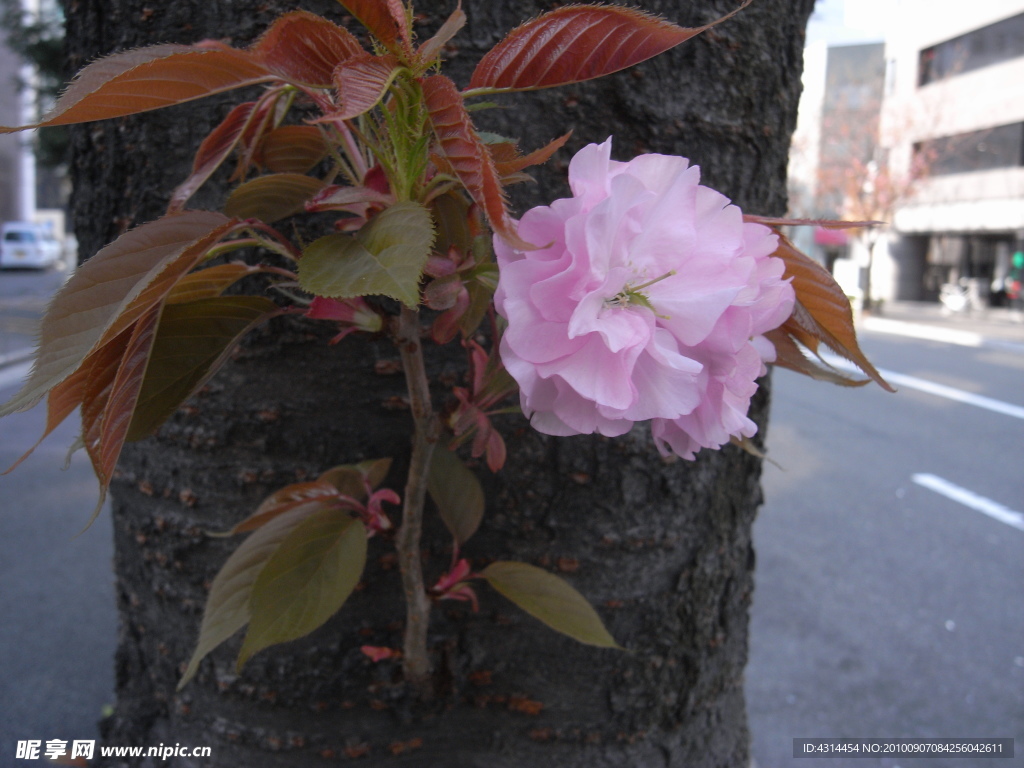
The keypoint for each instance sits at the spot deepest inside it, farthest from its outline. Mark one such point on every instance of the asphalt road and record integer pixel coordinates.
(24, 295)
(883, 608)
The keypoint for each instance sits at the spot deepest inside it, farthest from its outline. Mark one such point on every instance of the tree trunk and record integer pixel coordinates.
(662, 549)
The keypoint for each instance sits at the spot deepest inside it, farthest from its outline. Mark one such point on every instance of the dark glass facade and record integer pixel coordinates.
(999, 147)
(982, 47)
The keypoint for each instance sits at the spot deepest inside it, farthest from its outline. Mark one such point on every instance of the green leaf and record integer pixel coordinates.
(348, 478)
(550, 599)
(385, 258)
(307, 579)
(210, 282)
(191, 343)
(227, 607)
(456, 492)
(272, 197)
(284, 500)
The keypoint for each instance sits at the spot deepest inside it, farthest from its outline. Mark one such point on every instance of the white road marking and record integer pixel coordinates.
(14, 374)
(932, 388)
(979, 503)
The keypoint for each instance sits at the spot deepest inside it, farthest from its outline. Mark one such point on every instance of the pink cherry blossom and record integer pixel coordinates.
(647, 301)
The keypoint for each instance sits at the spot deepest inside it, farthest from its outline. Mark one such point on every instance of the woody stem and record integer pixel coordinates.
(415, 658)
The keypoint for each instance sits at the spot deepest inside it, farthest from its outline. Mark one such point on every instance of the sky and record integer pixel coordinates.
(846, 22)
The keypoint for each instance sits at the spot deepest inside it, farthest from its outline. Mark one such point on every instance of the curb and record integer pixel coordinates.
(933, 332)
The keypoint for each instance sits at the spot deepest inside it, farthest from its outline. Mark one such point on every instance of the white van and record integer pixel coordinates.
(23, 244)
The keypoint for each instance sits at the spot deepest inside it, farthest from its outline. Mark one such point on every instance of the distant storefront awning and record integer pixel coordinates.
(830, 238)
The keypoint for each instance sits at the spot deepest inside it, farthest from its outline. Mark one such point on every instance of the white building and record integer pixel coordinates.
(17, 163)
(954, 106)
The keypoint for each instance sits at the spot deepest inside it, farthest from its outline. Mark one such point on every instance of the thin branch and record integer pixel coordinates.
(415, 659)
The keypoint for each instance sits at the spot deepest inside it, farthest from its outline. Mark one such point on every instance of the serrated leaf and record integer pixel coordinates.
(227, 607)
(385, 258)
(306, 580)
(305, 49)
(379, 18)
(511, 165)
(822, 311)
(432, 48)
(577, 43)
(272, 197)
(151, 78)
(550, 599)
(457, 494)
(284, 500)
(111, 291)
(468, 155)
(104, 446)
(190, 344)
(361, 82)
(214, 150)
(293, 149)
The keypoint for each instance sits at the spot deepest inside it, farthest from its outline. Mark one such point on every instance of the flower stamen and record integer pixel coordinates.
(630, 295)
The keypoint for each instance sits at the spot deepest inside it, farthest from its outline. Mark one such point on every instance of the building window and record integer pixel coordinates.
(997, 42)
(985, 150)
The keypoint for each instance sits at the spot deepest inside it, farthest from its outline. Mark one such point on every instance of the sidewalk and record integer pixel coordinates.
(996, 326)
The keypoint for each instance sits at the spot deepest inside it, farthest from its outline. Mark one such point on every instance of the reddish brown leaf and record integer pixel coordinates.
(468, 155)
(292, 149)
(305, 49)
(509, 166)
(151, 78)
(249, 142)
(432, 48)
(214, 150)
(775, 221)
(124, 393)
(342, 198)
(361, 83)
(577, 43)
(99, 372)
(822, 311)
(163, 279)
(379, 18)
(60, 403)
(111, 291)
(789, 355)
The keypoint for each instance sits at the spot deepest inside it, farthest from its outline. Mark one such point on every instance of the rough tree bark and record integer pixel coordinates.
(663, 549)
